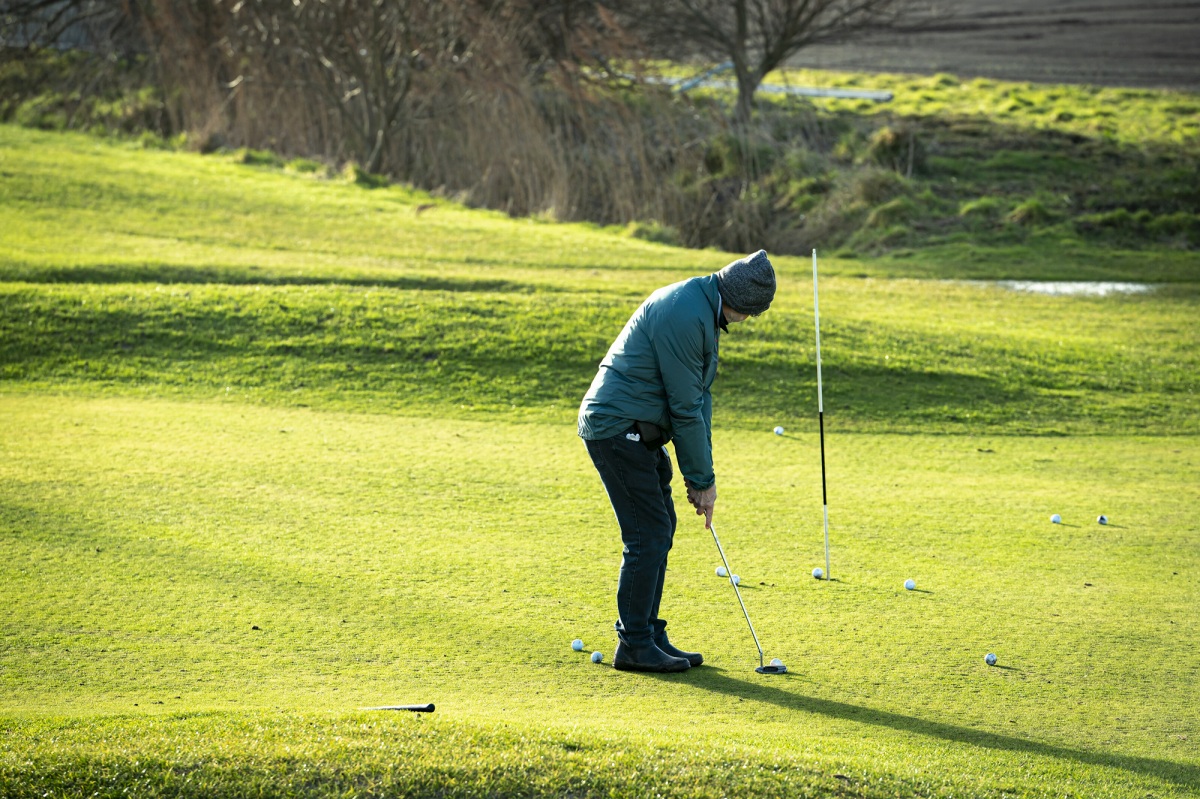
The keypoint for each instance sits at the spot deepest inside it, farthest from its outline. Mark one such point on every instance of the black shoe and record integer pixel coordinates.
(694, 658)
(647, 658)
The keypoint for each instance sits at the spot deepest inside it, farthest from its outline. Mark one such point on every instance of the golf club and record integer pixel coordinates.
(821, 413)
(762, 668)
(414, 708)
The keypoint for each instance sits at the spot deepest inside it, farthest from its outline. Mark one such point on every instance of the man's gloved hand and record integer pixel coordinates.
(703, 501)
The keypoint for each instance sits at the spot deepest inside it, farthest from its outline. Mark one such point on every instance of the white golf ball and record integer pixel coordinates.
(737, 580)
(776, 662)
(778, 431)
(989, 659)
(597, 657)
(721, 571)
(1102, 520)
(1056, 519)
(910, 584)
(577, 645)
(818, 573)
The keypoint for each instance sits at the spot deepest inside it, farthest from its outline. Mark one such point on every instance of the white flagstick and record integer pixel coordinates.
(821, 413)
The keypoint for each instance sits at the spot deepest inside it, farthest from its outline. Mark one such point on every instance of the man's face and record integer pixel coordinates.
(732, 316)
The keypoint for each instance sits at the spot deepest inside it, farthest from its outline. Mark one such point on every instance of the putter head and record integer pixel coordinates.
(772, 669)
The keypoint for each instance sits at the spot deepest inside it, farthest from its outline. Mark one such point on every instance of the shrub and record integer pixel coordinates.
(306, 166)
(260, 158)
(733, 154)
(1030, 213)
(655, 232)
(1180, 224)
(149, 140)
(353, 173)
(875, 186)
(983, 214)
(799, 196)
(893, 212)
(988, 208)
(847, 148)
(43, 112)
(48, 89)
(1131, 227)
(1118, 220)
(897, 149)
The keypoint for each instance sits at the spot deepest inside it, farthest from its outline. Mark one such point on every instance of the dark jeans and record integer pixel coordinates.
(638, 482)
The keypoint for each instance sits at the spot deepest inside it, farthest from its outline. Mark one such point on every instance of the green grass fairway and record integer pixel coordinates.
(276, 449)
(389, 559)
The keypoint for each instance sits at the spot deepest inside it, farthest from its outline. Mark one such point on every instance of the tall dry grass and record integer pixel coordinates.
(498, 103)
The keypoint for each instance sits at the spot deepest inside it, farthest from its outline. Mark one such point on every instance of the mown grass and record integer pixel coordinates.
(271, 286)
(1071, 365)
(276, 449)
(386, 559)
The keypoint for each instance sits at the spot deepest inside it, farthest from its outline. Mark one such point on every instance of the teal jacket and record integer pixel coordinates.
(661, 369)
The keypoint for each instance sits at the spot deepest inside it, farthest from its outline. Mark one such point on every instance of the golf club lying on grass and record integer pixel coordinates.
(776, 666)
(414, 708)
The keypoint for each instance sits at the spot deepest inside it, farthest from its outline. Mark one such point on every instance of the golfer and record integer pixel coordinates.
(654, 386)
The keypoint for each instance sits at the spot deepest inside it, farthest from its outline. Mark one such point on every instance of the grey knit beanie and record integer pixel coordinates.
(748, 284)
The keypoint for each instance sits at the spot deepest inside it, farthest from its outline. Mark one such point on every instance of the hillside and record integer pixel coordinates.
(282, 444)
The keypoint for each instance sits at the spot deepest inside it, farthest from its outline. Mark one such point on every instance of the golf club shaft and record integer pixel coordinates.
(821, 413)
(729, 573)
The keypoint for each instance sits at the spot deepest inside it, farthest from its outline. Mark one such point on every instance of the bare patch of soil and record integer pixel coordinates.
(1152, 44)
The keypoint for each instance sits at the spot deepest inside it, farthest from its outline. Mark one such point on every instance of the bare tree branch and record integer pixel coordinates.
(758, 36)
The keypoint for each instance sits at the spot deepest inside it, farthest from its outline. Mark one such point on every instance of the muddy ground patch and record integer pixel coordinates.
(1102, 42)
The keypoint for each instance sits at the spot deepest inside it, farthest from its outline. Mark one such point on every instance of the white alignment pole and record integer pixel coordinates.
(821, 413)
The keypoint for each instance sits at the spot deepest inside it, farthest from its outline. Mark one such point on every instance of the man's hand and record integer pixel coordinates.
(703, 502)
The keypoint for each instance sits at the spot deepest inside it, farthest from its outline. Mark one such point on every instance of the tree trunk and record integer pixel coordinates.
(747, 85)
(747, 76)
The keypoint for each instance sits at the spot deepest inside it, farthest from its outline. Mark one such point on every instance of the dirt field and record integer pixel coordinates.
(1103, 42)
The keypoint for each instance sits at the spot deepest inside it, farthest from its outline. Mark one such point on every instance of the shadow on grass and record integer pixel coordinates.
(717, 681)
(452, 348)
(862, 392)
(253, 276)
